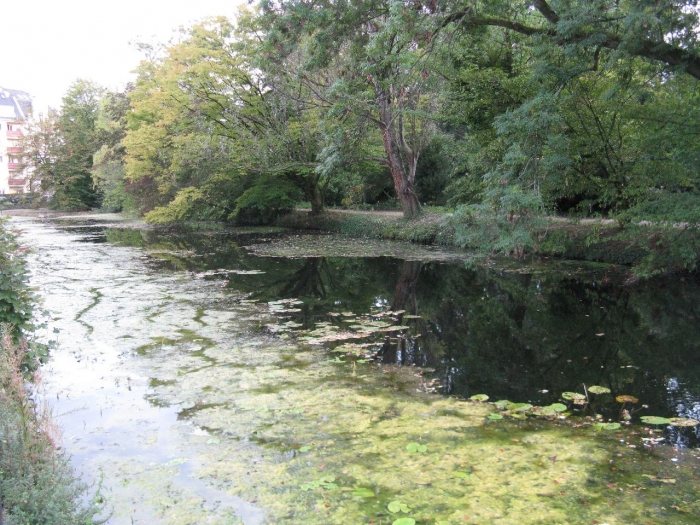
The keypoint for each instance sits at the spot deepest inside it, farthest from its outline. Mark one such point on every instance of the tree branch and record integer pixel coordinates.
(650, 49)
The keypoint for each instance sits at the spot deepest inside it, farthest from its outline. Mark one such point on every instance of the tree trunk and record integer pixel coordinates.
(399, 167)
(315, 197)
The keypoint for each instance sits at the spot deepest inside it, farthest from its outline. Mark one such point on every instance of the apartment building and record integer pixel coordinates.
(15, 109)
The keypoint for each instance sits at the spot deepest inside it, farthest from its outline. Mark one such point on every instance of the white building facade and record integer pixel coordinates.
(15, 109)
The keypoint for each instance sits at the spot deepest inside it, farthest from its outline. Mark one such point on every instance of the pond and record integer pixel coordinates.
(259, 376)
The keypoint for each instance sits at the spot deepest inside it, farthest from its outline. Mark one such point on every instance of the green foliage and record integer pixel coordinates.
(70, 180)
(245, 199)
(427, 229)
(265, 200)
(15, 296)
(509, 111)
(363, 492)
(380, 73)
(397, 506)
(181, 208)
(108, 171)
(509, 221)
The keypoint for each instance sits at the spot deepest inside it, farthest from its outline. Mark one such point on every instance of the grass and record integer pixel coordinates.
(427, 229)
(649, 249)
(37, 483)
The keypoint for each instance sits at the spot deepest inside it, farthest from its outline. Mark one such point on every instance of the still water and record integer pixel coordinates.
(257, 376)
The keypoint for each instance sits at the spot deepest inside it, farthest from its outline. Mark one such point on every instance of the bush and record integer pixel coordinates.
(15, 300)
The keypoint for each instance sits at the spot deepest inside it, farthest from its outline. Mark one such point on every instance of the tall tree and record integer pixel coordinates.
(205, 118)
(108, 170)
(40, 145)
(61, 151)
(382, 50)
(59, 148)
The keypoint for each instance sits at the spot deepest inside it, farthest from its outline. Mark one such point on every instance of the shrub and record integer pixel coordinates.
(15, 300)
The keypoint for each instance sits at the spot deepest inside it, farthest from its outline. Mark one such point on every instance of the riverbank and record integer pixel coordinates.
(37, 484)
(648, 250)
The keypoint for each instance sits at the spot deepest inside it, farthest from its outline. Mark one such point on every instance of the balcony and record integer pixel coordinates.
(13, 165)
(16, 182)
(14, 134)
(14, 150)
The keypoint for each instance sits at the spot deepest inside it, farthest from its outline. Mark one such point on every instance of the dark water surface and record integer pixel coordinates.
(227, 376)
(525, 333)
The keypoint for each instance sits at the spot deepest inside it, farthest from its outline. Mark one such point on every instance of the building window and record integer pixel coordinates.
(9, 127)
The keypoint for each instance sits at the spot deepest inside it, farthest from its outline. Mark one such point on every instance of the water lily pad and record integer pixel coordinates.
(461, 475)
(684, 422)
(655, 420)
(502, 404)
(494, 417)
(558, 407)
(404, 521)
(479, 397)
(543, 411)
(519, 407)
(626, 399)
(362, 492)
(398, 506)
(325, 482)
(595, 389)
(575, 398)
(416, 447)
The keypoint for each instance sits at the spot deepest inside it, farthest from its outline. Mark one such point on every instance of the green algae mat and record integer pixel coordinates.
(187, 400)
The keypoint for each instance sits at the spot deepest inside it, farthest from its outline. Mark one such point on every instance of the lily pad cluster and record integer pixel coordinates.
(326, 482)
(673, 421)
(523, 410)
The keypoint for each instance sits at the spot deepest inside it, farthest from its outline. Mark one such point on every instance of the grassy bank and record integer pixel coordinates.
(429, 228)
(647, 249)
(37, 484)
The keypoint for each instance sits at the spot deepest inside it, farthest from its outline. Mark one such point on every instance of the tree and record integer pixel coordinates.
(59, 149)
(382, 50)
(108, 172)
(40, 146)
(204, 114)
(595, 96)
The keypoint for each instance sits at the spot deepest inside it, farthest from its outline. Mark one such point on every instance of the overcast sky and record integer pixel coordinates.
(47, 44)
